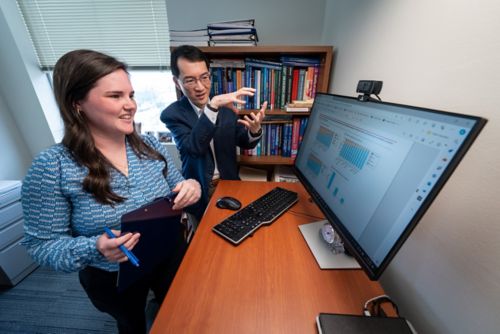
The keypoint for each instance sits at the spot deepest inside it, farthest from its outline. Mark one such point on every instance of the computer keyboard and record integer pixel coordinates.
(262, 211)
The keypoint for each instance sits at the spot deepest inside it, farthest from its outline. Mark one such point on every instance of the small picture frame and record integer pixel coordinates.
(165, 137)
(151, 133)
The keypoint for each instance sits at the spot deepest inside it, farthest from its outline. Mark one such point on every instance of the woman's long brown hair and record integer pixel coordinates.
(75, 74)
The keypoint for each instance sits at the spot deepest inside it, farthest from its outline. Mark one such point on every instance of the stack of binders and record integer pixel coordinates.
(198, 37)
(233, 33)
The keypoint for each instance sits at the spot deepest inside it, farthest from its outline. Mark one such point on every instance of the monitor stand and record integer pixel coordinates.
(324, 256)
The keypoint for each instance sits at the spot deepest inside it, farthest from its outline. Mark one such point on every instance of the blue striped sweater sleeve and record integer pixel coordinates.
(48, 234)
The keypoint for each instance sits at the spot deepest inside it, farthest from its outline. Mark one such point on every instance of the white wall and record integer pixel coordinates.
(442, 55)
(14, 154)
(26, 94)
(278, 22)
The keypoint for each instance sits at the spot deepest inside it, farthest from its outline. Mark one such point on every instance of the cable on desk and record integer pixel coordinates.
(303, 214)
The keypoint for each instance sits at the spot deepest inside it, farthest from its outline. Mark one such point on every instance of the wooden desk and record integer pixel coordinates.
(270, 283)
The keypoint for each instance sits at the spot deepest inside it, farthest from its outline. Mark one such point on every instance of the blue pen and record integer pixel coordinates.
(129, 254)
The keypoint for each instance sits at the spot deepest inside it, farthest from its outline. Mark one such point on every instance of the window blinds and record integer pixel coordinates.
(134, 31)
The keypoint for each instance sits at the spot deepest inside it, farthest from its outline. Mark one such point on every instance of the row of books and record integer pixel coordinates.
(279, 82)
(279, 139)
(234, 33)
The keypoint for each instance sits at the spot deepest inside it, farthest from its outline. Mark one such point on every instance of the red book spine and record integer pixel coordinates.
(295, 83)
(315, 81)
(295, 136)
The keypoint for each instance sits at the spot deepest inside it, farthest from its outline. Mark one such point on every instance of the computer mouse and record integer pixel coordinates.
(227, 202)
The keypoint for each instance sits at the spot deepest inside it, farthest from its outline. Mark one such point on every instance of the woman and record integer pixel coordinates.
(101, 170)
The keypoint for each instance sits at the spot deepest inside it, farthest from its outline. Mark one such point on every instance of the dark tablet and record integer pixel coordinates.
(159, 226)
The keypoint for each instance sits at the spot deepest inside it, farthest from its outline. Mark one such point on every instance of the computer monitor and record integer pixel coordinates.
(374, 168)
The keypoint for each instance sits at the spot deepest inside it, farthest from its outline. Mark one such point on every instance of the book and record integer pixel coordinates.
(284, 174)
(188, 33)
(231, 63)
(236, 31)
(252, 174)
(295, 137)
(198, 37)
(290, 108)
(189, 39)
(231, 43)
(237, 37)
(244, 23)
(299, 106)
(300, 85)
(262, 63)
(359, 324)
(295, 83)
(300, 61)
(194, 43)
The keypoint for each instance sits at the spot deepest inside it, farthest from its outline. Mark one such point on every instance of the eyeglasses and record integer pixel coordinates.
(191, 82)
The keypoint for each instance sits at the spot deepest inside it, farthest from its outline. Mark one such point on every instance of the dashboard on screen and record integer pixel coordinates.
(374, 168)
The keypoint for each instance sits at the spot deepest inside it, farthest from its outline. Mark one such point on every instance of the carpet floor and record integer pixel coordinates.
(50, 302)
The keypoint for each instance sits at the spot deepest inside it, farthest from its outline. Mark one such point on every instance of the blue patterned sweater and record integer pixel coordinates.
(62, 222)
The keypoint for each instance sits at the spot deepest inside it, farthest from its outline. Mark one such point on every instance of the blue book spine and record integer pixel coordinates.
(300, 89)
(273, 139)
(263, 85)
(279, 140)
(284, 140)
(288, 140)
(268, 139)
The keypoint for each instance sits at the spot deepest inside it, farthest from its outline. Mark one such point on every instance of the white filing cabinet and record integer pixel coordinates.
(15, 263)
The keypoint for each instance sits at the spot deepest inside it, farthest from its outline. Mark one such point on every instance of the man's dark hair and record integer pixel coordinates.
(188, 52)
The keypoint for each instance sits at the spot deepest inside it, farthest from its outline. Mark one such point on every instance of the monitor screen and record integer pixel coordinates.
(374, 168)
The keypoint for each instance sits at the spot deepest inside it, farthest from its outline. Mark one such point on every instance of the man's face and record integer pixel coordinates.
(194, 81)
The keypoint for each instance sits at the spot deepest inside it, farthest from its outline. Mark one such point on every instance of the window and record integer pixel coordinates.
(154, 91)
(134, 31)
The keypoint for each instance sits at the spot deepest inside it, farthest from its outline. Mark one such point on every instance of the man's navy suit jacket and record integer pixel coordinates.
(192, 135)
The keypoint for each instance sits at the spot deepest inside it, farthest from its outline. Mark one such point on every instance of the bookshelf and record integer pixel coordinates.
(325, 53)
(274, 53)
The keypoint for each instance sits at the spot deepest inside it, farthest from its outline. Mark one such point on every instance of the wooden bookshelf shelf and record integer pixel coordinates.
(322, 72)
(324, 52)
(275, 112)
(264, 160)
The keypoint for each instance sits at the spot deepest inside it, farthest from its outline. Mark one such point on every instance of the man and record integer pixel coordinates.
(207, 130)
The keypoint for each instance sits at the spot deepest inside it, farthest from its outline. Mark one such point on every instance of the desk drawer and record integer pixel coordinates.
(11, 233)
(12, 194)
(14, 260)
(10, 214)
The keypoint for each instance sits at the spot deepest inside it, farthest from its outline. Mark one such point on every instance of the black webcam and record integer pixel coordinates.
(368, 87)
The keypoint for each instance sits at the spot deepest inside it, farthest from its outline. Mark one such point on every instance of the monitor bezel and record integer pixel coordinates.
(351, 245)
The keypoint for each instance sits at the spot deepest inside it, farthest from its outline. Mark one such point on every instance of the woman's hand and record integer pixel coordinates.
(109, 246)
(188, 192)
